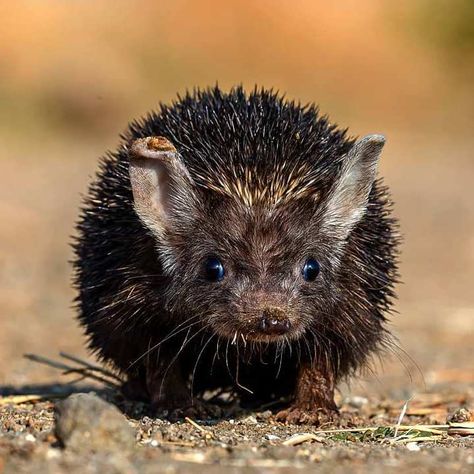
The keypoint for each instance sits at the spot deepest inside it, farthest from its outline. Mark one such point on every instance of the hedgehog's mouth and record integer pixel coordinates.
(265, 332)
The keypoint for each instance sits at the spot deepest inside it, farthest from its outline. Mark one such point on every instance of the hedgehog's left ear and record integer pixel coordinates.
(347, 201)
(161, 185)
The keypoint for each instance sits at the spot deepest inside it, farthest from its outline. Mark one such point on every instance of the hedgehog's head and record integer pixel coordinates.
(252, 259)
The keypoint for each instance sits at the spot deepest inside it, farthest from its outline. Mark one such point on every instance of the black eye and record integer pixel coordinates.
(214, 269)
(311, 269)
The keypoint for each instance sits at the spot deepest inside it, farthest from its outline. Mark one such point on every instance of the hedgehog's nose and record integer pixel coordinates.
(274, 322)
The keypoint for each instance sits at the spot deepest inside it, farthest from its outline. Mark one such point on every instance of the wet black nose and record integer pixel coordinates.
(274, 326)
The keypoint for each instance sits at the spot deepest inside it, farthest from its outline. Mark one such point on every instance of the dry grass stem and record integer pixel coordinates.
(302, 438)
(20, 399)
(463, 429)
(199, 427)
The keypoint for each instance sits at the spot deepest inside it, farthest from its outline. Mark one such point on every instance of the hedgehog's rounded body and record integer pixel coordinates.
(254, 239)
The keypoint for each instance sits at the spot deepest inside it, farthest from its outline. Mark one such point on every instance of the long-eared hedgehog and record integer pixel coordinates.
(237, 241)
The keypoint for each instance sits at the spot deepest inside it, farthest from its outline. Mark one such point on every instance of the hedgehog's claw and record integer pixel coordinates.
(299, 416)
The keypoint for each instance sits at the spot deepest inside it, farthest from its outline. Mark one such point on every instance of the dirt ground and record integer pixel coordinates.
(431, 181)
(248, 442)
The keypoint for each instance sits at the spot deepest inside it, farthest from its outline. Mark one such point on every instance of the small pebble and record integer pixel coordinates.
(413, 447)
(250, 420)
(85, 422)
(356, 401)
(461, 415)
(264, 415)
(52, 453)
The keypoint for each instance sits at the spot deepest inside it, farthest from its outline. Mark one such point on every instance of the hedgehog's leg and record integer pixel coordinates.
(313, 402)
(168, 390)
(162, 391)
(135, 387)
(167, 387)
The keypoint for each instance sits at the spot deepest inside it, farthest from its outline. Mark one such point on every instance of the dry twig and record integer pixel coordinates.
(85, 371)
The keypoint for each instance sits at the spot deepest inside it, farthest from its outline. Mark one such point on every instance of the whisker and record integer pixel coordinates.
(172, 334)
(281, 360)
(216, 354)
(175, 358)
(197, 362)
(237, 367)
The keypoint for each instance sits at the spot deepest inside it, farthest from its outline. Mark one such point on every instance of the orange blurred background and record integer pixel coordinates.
(74, 73)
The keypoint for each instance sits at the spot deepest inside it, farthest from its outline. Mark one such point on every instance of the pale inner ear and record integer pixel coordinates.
(159, 180)
(347, 201)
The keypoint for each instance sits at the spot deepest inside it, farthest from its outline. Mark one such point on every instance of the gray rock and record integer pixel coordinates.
(85, 423)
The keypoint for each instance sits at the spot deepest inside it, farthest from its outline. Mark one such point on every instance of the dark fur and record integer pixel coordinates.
(128, 304)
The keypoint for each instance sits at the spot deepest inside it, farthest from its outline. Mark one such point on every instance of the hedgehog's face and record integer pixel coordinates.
(255, 272)
(252, 274)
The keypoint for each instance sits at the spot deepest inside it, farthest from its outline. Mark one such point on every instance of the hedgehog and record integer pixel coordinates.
(238, 241)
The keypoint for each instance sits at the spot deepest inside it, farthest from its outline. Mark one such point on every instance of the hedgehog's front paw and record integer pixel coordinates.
(181, 406)
(197, 409)
(295, 415)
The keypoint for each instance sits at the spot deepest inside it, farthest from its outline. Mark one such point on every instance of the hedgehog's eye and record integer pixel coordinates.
(214, 269)
(311, 269)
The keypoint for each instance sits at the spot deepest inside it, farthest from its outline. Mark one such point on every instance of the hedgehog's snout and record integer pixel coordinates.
(267, 315)
(274, 322)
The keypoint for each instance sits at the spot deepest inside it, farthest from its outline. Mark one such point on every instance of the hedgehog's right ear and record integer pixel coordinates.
(161, 184)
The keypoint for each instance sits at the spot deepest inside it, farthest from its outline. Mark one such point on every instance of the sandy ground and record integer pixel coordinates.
(432, 187)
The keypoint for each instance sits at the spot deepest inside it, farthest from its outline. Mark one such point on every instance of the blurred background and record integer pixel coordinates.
(74, 73)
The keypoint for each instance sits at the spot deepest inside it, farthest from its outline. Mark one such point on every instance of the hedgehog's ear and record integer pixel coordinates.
(161, 185)
(348, 198)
